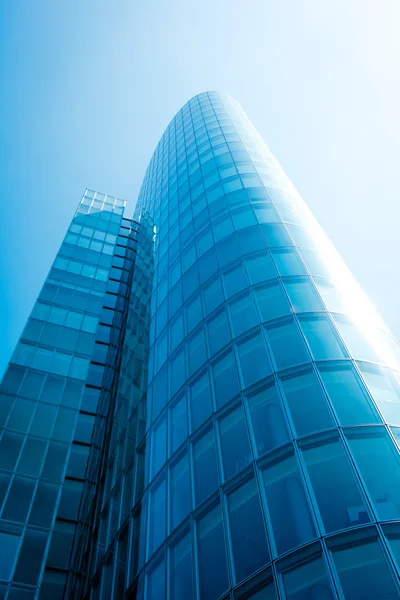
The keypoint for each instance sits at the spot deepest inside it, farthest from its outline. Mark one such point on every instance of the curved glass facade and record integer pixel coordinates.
(247, 444)
(266, 406)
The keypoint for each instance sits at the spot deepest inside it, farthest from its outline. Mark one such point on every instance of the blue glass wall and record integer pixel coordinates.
(49, 402)
(262, 458)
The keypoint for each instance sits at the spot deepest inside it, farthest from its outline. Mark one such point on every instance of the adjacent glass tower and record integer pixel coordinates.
(203, 404)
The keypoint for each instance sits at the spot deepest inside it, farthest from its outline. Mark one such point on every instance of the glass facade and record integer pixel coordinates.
(220, 419)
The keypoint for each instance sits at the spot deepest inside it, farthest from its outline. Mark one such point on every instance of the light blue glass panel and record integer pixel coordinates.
(302, 295)
(225, 375)
(254, 360)
(287, 345)
(322, 338)
(271, 301)
(218, 332)
(243, 314)
(287, 262)
(357, 343)
(287, 503)
(307, 403)
(384, 389)
(268, 419)
(334, 485)
(348, 395)
(260, 268)
(378, 461)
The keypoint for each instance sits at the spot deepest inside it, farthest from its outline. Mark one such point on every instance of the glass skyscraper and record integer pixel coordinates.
(203, 403)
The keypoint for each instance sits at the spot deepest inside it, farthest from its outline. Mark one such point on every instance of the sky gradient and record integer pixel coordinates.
(89, 87)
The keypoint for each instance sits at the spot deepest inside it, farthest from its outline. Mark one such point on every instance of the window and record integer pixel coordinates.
(213, 571)
(302, 295)
(177, 424)
(235, 280)
(205, 466)
(268, 419)
(378, 461)
(322, 338)
(243, 314)
(249, 542)
(287, 262)
(363, 572)
(271, 301)
(218, 332)
(158, 445)
(226, 383)
(179, 488)
(200, 400)
(260, 268)
(287, 502)
(235, 447)
(348, 395)
(9, 543)
(30, 558)
(287, 345)
(334, 484)
(308, 581)
(155, 581)
(307, 403)
(254, 359)
(357, 342)
(384, 390)
(181, 569)
(276, 234)
(196, 349)
(157, 515)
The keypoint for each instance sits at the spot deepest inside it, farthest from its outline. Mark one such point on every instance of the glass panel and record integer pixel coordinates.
(260, 268)
(235, 446)
(30, 558)
(271, 301)
(213, 571)
(378, 462)
(9, 544)
(287, 503)
(338, 496)
(179, 490)
(226, 382)
(206, 478)
(364, 573)
(181, 570)
(156, 582)
(384, 390)
(218, 332)
(157, 516)
(322, 338)
(302, 295)
(287, 262)
(178, 424)
(268, 419)
(308, 581)
(357, 343)
(348, 395)
(243, 314)
(287, 345)
(307, 403)
(254, 359)
(200, 401)
(249, 542)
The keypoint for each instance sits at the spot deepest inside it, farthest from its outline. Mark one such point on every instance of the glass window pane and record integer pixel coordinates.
(348, 395)
(200, 400)
(268, 419)
(287, 503)
(260, 268)
(177, 424)
(271, 301)
(226, 382)
(307, 403)
(384, 390)
(218, 332)
(179, 491)
(322, 338)
(181, 570)
(157, 515)
(235, 445)
(213, 571)
(287, 345)
(206, 478)
(159, 445)
(254, 359)
(9, 544)
(249, 542)
(287, 262)
(364, 573)
(243, 314)
(378, 461)
(334, 484)
(355, 340)
(302, 295)
(30, 558)
(308, 581)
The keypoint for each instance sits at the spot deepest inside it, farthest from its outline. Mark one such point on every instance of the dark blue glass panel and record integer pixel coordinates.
(213, 571)
(205, 468)
(249, 542)
(180, 492)
(308, 581)
(200, 400)
(235, 447)
(181, 570)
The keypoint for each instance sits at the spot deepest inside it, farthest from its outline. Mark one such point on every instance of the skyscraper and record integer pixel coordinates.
(203, 403)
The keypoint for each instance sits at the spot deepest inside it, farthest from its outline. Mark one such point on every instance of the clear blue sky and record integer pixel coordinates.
(88, 86)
